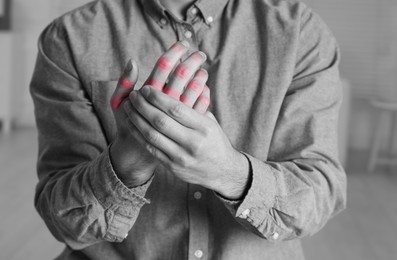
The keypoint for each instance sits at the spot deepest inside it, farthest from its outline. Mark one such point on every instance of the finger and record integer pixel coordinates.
(203, 102)
(183, 73)
(166, 64)
(154, 141)
(159, 120)
(125, 84)
(173, 108)
(194, 88)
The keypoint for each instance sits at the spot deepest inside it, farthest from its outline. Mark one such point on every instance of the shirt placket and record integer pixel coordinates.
(197, 195)
(185, 31)
(198, 222)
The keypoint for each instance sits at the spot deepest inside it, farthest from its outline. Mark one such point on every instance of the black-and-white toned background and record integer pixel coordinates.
(367, 33)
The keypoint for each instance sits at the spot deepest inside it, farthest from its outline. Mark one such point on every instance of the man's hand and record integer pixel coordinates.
(132, 163)
(189, 144)
(126, 154)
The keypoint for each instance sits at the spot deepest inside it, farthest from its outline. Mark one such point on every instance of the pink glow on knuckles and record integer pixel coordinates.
(155, 84)
(195, 87)
(115, 103)
(185, 100)
(172, 93)
(203, 100)
(125, 83)
(182, 71)
(164, 64)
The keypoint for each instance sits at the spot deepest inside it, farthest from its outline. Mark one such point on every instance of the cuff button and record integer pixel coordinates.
(275, 235)
(245, 213)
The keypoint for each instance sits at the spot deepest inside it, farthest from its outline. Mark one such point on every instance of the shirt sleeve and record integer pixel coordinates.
(302, 184)
(78, 195)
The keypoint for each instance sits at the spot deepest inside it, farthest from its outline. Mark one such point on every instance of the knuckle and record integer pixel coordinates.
(177, 110)
(150, 149)
(195, 148)
(164, 64)
(152, 137)
(196, 86)
(181, 161)
(160, 122)
(182, 71)
(207, 130)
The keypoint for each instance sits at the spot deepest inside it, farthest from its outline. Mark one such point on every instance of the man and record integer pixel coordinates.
(144, 171)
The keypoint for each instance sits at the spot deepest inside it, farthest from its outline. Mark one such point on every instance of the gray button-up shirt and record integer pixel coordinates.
(275, 90)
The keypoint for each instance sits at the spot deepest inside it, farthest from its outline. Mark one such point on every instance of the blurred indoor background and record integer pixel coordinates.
(367, 33)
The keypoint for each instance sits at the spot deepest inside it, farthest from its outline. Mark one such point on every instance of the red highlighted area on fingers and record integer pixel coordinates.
(182, 71)
(164, 64)
(186, 100)
(203, 100)
(155, 84)
(116, 102)
(195, 87)
(125, 83)
(172, 93)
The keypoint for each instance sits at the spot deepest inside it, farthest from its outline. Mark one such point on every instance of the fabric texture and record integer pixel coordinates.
(275, 90)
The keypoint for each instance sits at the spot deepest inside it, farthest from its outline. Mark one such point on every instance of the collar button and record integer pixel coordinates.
(163, 21)
(194, 10)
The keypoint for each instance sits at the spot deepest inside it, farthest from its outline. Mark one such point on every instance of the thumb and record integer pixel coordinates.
(125, 84)
(210, 115)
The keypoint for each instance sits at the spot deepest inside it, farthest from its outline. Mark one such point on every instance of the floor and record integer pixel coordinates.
(366, 230)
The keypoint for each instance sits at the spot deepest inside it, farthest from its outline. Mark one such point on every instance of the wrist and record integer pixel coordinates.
(130, 173)
(237, 180)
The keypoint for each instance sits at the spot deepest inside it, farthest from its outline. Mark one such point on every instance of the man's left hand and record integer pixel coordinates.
(190, 145)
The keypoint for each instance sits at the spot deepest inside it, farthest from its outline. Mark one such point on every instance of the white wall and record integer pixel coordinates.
(29, 18)
(367, 33)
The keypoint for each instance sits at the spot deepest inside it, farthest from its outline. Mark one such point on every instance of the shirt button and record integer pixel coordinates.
(194, 10)
(275, 235)
(188, 34)
(198, 254)
(197, 195)
(210, 19)
(245, 213)
(163, 21)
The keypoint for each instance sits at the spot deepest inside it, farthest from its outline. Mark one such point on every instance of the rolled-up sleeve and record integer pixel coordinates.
(302, 184)
(78, 195)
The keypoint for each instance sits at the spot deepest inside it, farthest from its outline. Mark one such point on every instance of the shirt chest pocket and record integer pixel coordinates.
(101, 93)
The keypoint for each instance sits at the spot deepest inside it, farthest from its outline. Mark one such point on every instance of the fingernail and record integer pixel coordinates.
(185, 43)
(133, 95)
(128, 66)
(203, 54)
(145, 91)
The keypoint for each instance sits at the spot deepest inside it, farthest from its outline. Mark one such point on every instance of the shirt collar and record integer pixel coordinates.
(210, 9)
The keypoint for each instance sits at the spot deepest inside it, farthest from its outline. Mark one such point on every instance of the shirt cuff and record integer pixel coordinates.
(121, 203)
(255, 209)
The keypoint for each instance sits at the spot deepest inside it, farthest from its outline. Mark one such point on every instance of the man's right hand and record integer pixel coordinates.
(185, 81)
